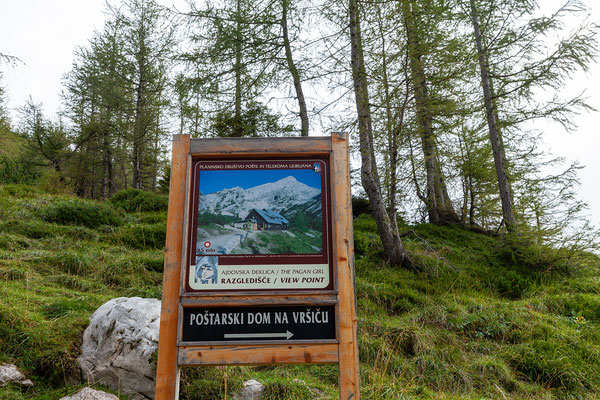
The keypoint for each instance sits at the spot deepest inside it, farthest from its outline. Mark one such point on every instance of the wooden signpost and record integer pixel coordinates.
(259, 258)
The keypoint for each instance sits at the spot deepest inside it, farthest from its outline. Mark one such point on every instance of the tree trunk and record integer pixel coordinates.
(438, 203)
(388, 228)
(294, 70)
(238, 129)
(497, 148)
(138, 135)
(107, 181)
(391, 180)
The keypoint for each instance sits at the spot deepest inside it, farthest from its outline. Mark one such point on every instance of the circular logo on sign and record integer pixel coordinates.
(207, 244)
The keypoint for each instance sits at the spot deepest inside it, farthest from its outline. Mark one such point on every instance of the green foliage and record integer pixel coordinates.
(367, 243)
(20, 190)
(141, 236)
(284, 242)
(256, 120)
(208, 383)
(207, 219)
(16, 172)
(449, 332)
(361, 205)
(135, 200)
(512, 284)
(303, 222)
(489, 318)
(81, 212)
(36, 229)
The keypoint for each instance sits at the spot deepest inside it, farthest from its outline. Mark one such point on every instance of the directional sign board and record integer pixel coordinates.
(258, 323)
(259, 258)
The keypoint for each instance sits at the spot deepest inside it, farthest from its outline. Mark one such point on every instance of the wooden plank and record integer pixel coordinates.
(261, 293)
(167, 374)
(251, 300)
(220, 147)
(349, 374)
(259, 354)
(256, 342)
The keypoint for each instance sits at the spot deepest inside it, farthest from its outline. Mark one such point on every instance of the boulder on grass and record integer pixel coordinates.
(253, 390)
(91, 394)
(119, 344)
(9, 373)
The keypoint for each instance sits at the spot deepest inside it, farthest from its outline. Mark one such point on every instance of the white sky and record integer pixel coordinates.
(44, 34)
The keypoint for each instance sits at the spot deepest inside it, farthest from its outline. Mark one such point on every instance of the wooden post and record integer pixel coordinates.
(167, 372)
(349, 374)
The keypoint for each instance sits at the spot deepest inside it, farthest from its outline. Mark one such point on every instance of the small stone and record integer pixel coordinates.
(10, 374)
(252, 390)
(27, 383)
(91, 394)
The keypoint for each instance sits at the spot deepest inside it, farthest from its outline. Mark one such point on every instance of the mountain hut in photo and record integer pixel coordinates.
(249, 224)
(267, 219)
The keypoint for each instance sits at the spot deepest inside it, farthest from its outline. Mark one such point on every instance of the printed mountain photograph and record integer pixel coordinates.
(260, 212)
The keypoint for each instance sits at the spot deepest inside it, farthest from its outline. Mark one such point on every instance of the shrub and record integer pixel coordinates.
(366, 243)
(360, 205)
(34, 229)
(512, 284)
(18, 190)
(80, 212)
(152, 217)
(16, 172)
(140, 236)
(136, 200)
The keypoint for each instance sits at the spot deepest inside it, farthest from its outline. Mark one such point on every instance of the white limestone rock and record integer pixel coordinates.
(119, 344)
(9, 373)
(91, 394)
(252, 390)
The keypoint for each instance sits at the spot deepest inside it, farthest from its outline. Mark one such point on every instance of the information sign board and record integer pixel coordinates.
(259, 258)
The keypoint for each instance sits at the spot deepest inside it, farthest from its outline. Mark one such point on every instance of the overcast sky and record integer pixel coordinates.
(44, 34)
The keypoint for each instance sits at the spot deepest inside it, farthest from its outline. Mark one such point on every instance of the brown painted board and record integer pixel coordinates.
(259, 354)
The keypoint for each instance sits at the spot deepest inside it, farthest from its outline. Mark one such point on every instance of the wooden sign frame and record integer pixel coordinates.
(173, 353)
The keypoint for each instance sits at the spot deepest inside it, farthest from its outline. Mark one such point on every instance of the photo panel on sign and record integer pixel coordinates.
(260, 225)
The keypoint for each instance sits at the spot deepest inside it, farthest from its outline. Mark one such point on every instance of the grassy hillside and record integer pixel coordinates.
(484, 318)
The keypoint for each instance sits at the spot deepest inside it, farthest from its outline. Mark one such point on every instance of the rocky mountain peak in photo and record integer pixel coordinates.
(280, 195)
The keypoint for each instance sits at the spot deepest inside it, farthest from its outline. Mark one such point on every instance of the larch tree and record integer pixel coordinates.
(414, 15)
(241, 52)
(149, 39)
(517, 61)
(388, 228)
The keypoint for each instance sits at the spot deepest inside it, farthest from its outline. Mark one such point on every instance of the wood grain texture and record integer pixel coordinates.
(256, 147)
(167, 374)
(259, 293)
(259, 354)
(251, 300)
(349, 372)
(256, 342)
